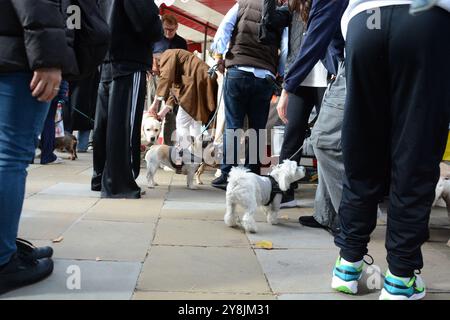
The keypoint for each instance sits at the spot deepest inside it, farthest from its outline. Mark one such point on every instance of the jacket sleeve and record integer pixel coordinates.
(323, 23)
(144, 16)
(275, 19)
(44, 33)
(168, 74)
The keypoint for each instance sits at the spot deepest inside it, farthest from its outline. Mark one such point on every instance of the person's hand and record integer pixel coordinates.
(221, 66)
(162, 114)
(45, 84)
(282, 106)
(154, 108)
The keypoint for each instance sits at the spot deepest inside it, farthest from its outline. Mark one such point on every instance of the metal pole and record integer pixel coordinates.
(204, 43)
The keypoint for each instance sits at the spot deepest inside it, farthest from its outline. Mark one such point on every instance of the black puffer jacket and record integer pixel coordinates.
(135, 25)
(33, 35)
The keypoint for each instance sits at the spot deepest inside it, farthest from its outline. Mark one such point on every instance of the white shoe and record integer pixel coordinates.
(57, 161)
(396, 288)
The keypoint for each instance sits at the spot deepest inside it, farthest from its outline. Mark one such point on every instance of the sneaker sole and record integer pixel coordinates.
(347, 287)
(388, 296)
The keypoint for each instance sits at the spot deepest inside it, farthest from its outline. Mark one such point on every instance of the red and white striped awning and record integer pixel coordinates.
(197, 17)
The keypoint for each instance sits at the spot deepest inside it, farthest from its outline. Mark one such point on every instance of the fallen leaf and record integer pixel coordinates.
(58, 240)
(98, 259)
(268, 245)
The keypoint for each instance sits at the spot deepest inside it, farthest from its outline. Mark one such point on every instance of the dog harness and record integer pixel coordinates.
(275, 189)
(179, 167)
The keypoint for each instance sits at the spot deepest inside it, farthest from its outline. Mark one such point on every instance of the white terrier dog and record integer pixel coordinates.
(252, 191)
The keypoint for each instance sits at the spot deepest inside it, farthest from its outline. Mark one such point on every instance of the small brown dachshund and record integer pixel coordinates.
(67, 143)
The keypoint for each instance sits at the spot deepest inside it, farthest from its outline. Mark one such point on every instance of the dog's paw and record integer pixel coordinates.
(250, 226)
(192, 187)
(272, 220)
(230, 220)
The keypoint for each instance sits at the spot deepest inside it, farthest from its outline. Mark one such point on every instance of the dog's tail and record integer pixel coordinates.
(237, 174)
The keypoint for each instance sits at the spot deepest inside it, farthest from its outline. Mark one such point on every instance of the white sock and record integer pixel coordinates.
(357, 264)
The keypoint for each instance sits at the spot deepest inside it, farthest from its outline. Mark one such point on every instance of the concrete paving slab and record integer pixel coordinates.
(193, 210)
(105, 240)
(185, 296)
(194, 269)
(97, 281)
(201, 195)
(125, 210)
(55, 203)
(293, 236)
(198, 233)
(71, 189)
(45, 225)
(298, 270)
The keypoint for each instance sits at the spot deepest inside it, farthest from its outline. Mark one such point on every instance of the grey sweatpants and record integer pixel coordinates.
(326, 141)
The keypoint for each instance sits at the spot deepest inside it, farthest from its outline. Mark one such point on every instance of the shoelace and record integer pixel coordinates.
(371, 258)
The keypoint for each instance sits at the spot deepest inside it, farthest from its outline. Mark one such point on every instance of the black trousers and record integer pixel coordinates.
(395, 128)
(298, 112)
(117, 136)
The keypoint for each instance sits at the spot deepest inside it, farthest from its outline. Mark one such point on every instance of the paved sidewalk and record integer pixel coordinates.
(173, 244)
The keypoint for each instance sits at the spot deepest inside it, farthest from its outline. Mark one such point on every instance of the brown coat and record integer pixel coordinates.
(186, 76)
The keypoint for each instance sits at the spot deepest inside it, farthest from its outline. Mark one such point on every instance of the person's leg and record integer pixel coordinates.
(419, 50)
(183, 123)
(99, 135)
(299, 109)
(21, 121)
(236, 97)
(365, 134)
(326, 142)
(118, 178)
(331, 174)
(258, 113)
(48, 136)
(83, 140)
(170, 126)
(136, 122)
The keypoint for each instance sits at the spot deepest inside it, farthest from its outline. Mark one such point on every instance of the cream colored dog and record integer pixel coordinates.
(151, 128)
(443, 190)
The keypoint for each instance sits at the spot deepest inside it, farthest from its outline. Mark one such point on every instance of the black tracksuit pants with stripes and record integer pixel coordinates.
(395, 130)
(117, 136)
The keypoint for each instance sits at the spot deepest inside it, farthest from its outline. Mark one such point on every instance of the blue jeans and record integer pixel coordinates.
(245, 95)
(83, 140)
(21, 121)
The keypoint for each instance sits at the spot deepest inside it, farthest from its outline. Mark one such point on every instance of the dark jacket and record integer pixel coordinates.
(165, 44)
(135, 26)
(33, 35)
(245, 47)
(323, 39)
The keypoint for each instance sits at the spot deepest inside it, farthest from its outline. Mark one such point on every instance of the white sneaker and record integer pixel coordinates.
(57, 161)
(396, 288)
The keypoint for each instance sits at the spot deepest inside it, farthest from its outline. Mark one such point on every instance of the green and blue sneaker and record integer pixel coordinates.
(396, 288)
(346, 276)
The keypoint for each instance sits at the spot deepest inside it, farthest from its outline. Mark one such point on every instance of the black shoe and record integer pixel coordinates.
(221, 182)
(27, 250)
(19, 272)
(309, 221)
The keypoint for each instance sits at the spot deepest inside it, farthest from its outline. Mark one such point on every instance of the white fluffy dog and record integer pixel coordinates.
(252, 191)
(443, 195)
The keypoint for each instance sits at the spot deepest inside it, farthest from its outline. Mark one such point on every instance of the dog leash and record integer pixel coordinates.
(84, 115)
